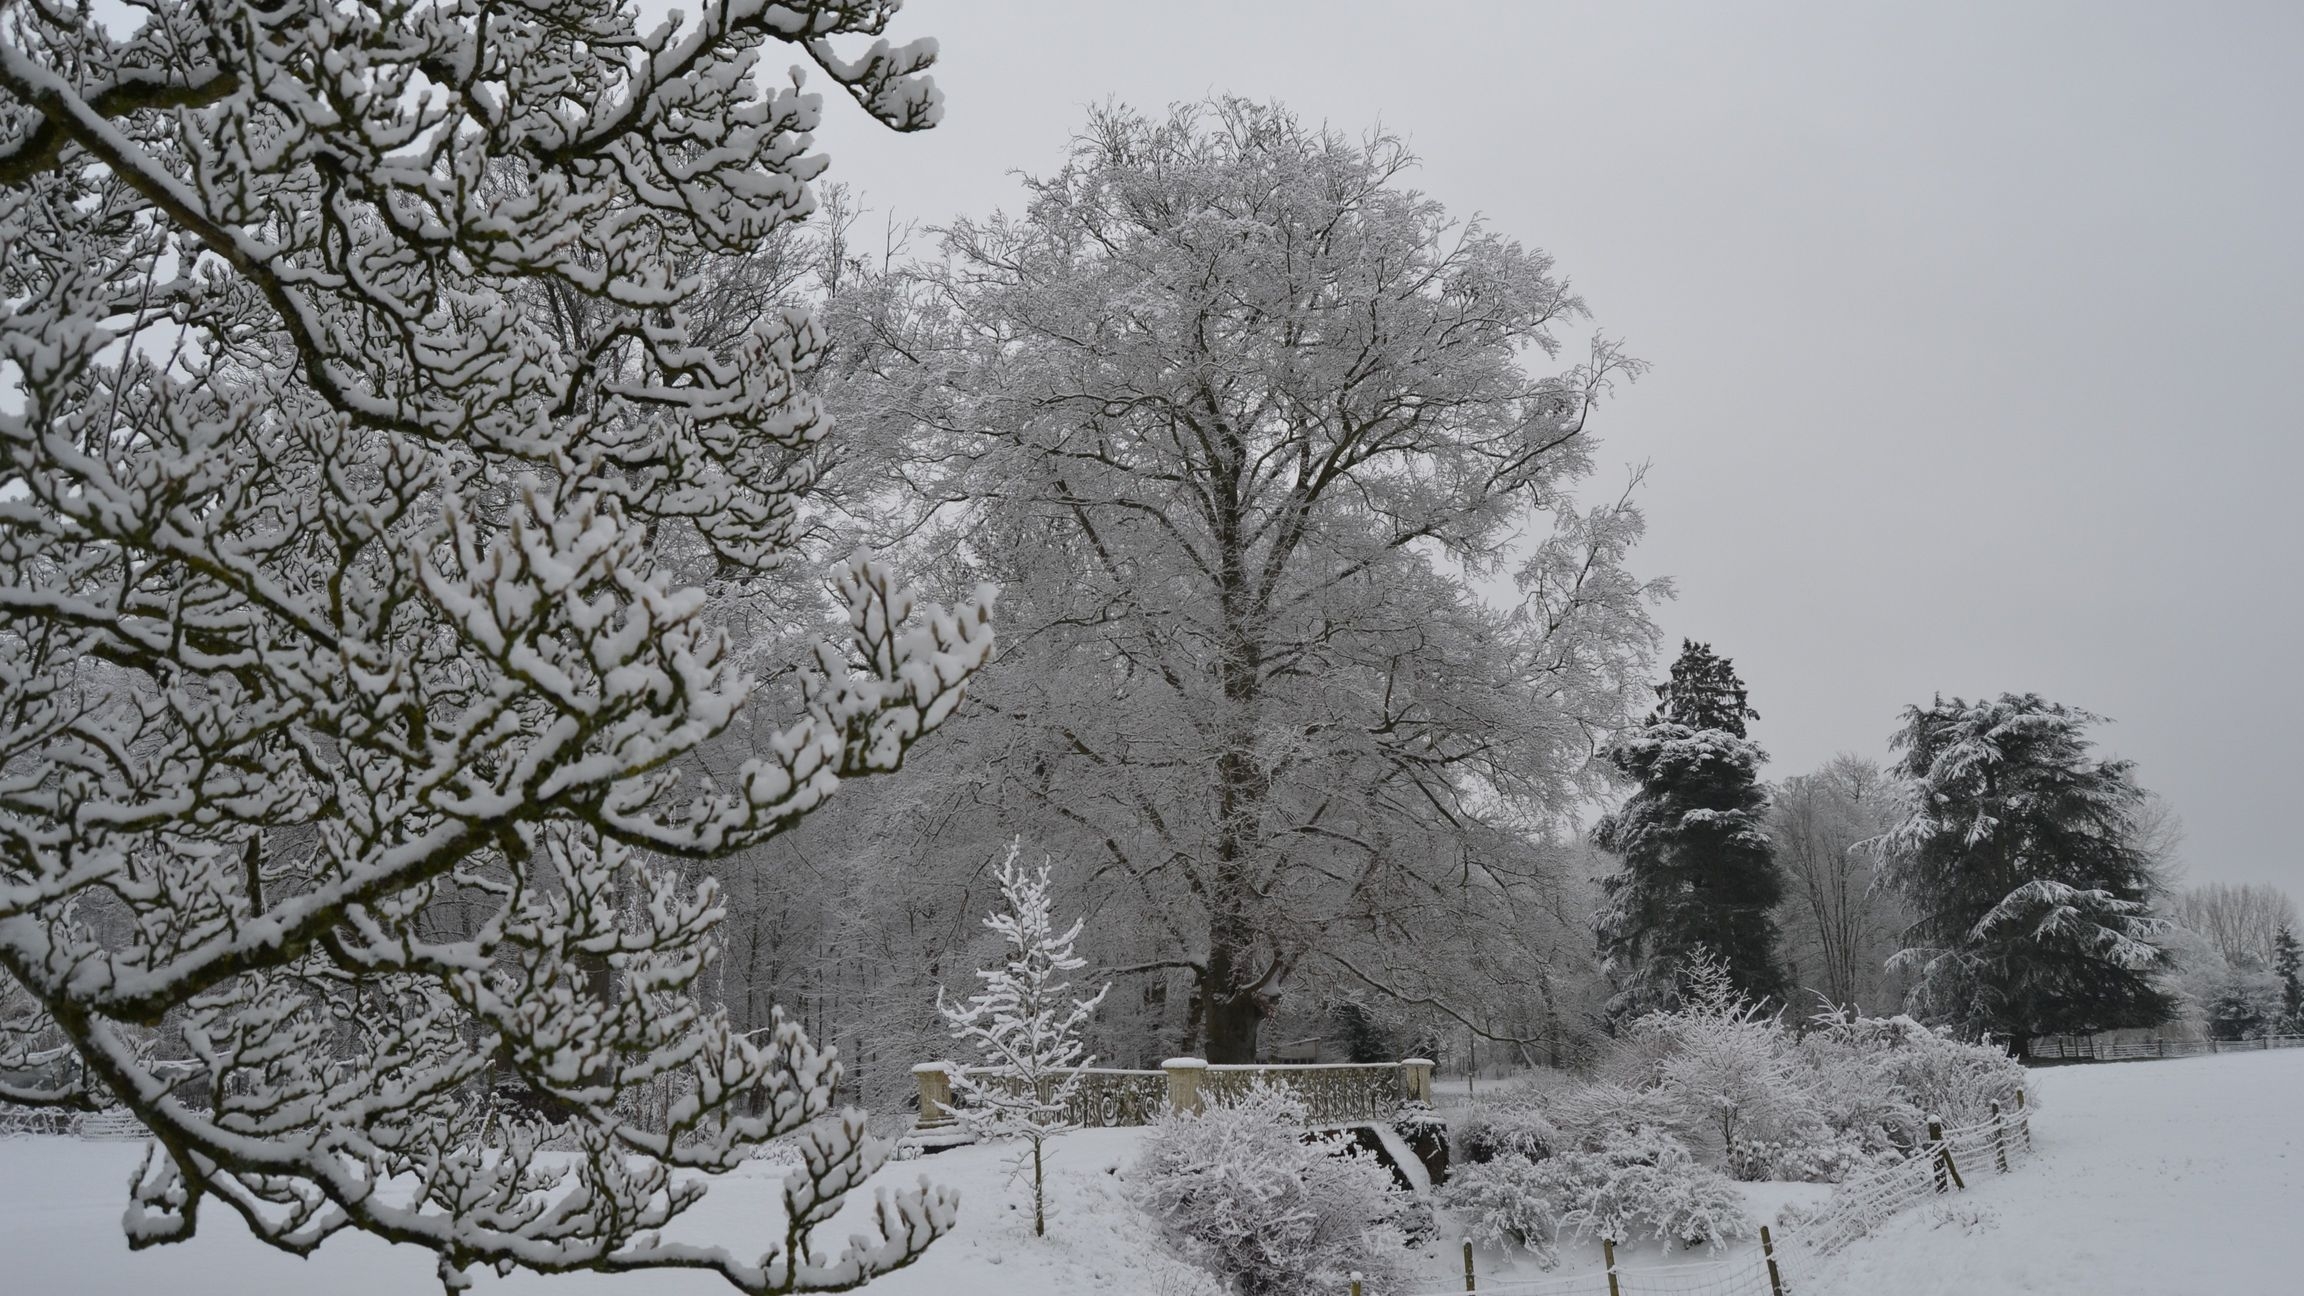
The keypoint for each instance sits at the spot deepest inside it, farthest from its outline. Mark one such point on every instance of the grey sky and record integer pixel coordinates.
(1977, 331)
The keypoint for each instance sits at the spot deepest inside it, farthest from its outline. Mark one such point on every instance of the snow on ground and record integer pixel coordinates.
(61, 1202)
(2152, 1177)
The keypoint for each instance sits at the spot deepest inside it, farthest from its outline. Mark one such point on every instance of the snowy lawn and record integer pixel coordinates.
(2153, 1177)
(61, 1200)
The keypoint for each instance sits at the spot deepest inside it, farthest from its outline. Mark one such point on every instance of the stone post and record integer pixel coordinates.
(1416, 1080)
(1184, 1075)
(935, 1095)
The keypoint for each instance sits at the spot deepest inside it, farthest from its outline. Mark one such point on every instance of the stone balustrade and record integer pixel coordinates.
(1343, 1093)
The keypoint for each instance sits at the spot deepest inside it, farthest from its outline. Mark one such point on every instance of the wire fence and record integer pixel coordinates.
(1857, 1208)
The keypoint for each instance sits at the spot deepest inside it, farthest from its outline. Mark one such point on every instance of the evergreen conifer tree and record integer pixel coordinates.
(2288, 965)
(1699, 871)
(1704, 692)
(2019, 849)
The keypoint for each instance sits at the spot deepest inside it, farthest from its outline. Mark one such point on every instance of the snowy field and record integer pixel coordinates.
(2153, 1177)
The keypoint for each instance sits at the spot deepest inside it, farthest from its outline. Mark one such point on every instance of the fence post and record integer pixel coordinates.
(1608, 1252)
(1944, 1164)
(2024, 1120)
(1184, 1083)
(1768, 1249)
(1469, 1284)
(1355, 1285)
(1999, 1138)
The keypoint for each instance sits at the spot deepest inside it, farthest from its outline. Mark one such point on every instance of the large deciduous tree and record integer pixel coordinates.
(2017, 853)
(1839, 926)
(1698, 875)
(351, 733)
(1241, 423)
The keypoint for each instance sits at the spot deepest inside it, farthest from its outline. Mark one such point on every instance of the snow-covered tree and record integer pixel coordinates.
(1839, 928)
(2288, 965)
(1698, 868)
(1025, 1025)
(364, 393)
(2243, 921)
(2016, 851)
(1240, 422)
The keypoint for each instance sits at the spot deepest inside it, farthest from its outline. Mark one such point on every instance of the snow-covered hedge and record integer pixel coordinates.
(1242, 1190)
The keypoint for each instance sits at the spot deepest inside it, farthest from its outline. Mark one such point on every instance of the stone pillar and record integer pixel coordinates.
(1416, 1080)
(935, 1095)
(1184, 1082)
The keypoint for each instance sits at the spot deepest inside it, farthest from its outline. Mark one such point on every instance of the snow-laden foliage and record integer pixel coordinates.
(1243, 1189)
(1512, 1126)
(1024, 1026)
(1732, 1070)
(350, 714)
(1634, 1185)
(2019, 849)
(1506, 1203)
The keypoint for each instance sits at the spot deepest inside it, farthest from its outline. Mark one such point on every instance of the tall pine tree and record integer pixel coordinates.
(1699, 871)
(2019, 849)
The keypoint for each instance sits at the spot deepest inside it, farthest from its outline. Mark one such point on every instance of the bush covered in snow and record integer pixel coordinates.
(1514, 1126)
(1733, 1088)
(1242, 1190)
(1502, 1202)
(1635, 1184)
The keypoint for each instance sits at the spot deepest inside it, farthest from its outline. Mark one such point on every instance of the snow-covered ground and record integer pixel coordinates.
(2153, 1177)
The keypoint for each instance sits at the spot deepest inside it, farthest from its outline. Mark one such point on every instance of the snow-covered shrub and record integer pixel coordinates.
(1831, 1159)
(1506, 1202)
(1642, 1183)
(1738, 1080)
(1242, 1190)
(1587, 1116)
(1928, 1070)
(1514, 1127)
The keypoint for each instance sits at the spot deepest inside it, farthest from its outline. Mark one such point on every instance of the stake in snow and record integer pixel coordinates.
(354, 710)
(1026, 1026)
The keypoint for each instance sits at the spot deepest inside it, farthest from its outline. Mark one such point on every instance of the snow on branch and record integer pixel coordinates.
(353, 716)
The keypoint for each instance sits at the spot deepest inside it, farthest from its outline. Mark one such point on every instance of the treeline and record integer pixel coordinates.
(1312, 667)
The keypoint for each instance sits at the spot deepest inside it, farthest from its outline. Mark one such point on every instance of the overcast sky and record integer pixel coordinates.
(1977, 333)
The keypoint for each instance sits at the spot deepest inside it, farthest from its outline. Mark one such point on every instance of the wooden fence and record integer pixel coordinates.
(2117, 1048)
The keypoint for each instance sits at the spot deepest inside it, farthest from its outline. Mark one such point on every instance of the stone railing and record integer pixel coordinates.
(1333, 1093)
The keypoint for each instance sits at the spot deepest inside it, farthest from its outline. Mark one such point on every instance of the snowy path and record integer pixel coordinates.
(2154, 1177)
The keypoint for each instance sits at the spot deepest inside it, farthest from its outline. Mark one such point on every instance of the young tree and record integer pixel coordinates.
(2017, 850)
(1239, 421)
(1698, 869)
(2288, 965)
(354, 728)
(1026, 1026)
